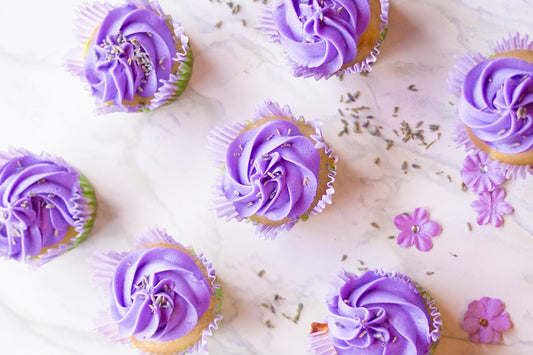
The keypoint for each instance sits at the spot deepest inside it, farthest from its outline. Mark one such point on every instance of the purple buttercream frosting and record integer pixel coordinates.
(37, 204)
(271, 171)
(158, 293)
(321, 35)
(496, 103)
(131, 54)
(379, 313)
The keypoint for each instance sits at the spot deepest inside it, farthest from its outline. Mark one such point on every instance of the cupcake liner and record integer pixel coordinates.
(320, 343)
(89, 18)
(84, 206)
(218, 143)
(103, 266)
(462, 66)
(268, 27)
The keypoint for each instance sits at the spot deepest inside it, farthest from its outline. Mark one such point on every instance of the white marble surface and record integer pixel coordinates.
(152, 169)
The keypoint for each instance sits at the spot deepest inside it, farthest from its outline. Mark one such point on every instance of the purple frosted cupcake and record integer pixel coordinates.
(164, 298)
(134, 57)
(324, 38)
(47, 207)
(377, 313)
(495, 109)
(276, 170)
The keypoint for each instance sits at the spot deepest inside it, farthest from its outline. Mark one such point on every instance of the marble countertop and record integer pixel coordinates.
(152, 169)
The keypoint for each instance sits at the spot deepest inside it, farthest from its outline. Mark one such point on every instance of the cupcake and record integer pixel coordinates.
(377, 313)
(325, 38)
(495, 109)
(134, 56)
(47, 207)
(276, 170)
(164, 298)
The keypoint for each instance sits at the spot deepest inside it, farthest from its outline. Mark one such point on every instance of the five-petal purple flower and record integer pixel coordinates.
(485, 319)
(481, 174)
(416, 229)
(491, 207)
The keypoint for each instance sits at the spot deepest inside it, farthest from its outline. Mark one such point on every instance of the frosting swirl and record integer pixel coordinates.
(158, 293)
(496, 103)
(132, 52)
(271, 171)
(321, 35)
(36, 205)
(378, 314)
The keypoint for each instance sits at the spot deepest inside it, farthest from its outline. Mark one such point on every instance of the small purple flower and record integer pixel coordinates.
(416, 229)
(481, 174)
(491, 207)
(485, 319)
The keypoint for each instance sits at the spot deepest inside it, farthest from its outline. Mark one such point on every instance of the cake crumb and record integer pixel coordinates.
(261, 273)
(344, 257)
(429, 273)
(377, 161)
(454, 255)
(412, 87)
(375, 225)
(469, 226)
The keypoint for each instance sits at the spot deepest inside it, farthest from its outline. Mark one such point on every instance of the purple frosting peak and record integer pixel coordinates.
(321, 35)
(496, 103)
(36, 205)
(131, 54)
(378, 313)
(272, 171)
(158, 293)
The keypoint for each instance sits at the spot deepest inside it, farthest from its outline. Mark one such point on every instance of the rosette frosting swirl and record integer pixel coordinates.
(132, 52)
(158, 293)
(378, 314)
(496, 103)
(321, 35)
(36, 205)
(271, 171)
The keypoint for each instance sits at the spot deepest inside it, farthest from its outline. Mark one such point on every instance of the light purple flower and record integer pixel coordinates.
(485, 319)
(481, 174)
(491, 207)
(416, 229)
